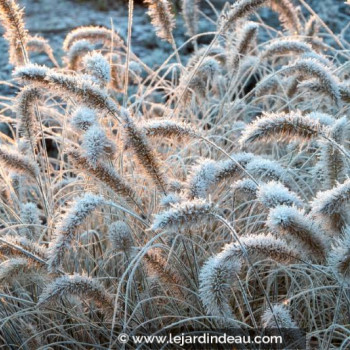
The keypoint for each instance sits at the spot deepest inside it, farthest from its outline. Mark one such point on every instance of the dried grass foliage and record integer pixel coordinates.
(207, 194)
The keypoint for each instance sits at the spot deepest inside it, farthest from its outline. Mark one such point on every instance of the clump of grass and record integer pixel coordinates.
(142, 198)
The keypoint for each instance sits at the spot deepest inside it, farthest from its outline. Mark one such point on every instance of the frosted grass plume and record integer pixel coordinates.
(266, 169)
(162, 18)
(331, 201)
(311, 68)
(96, 146)
(65, 231)
(82, 287)
(184, 215)
(83, 118)
(274, 194)
(168, 128)
(76, 52)
(288, 220)
(18, 163)
(339, 257)
(119, 235)
(136, 138)
(12, 18)
(84, 91)
(98, 66)
(93, 34)
(29, 215)
(104, 173)
(25, 112)
(288, 126)
(191, 17)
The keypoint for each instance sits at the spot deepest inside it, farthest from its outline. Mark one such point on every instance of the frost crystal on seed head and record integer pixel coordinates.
(323, 118)
(274, 193)
(265, 168)
(96, 144)
(215, 279)
(31, 71)
(311, 68)
(119, 235)
(78, 49)
(83, 118)
(75, 285)
(73, 218)
(30, 216)
(162, 18)
(184, 215)
(280, 313)
(247, 187)
(339, 257)
(170, 199)
(300, 228)
(286, 46)
(97, 65)
(203, 176)
(333, 200)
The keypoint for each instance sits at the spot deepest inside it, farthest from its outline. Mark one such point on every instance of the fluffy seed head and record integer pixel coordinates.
(11, 17)
(263, 168)
(285, 47)
(280, 314)
(85, 288)
(29, 215)
(76, 52)
(287, 126)
(203, 176)
(25, 103)
(190, 15)
(68, 86)
(288, 15)
(240, 10)
(339, 257)
(71, 221)
(274, 193)
(83, 118)
(18, 163)
(96, 145)
(245, 188)
(168, 128)
(105, 174)
(287, 220)
(93, 34)
(162, 18)
(97, 65)
(233, 168)
(39, 44)
(332, 201)
(184, 215)
(137, 139)
(119, 235)
(215, 279)
(311, 68)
